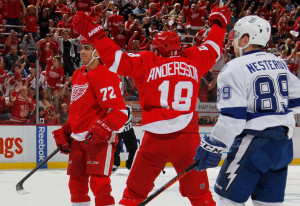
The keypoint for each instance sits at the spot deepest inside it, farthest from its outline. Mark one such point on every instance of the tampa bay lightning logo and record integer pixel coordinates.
(252, 20)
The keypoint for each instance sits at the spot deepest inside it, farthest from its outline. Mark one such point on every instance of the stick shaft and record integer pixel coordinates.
(39, 166)
(168, 184)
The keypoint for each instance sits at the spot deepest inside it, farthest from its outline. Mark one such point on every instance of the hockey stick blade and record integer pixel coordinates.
(19, 187)
(168, 184)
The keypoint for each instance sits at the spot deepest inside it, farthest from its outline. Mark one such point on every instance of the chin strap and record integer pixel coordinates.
(93, 58)
(241, 48)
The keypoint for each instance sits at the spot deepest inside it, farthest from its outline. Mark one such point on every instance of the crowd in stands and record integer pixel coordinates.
(32, 30)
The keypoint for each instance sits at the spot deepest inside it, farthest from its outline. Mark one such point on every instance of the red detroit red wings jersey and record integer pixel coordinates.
(95, 95)
(168, 87)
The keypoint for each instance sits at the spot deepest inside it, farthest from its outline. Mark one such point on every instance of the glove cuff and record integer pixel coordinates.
(212, 147)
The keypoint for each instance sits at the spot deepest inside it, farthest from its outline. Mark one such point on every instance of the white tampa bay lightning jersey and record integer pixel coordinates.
(255, 91)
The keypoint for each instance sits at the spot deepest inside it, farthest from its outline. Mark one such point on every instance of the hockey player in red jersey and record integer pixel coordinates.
(168, 84)
(97, 111)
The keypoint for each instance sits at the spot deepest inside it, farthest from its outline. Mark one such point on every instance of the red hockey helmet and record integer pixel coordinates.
(166, 42)
(83, 40)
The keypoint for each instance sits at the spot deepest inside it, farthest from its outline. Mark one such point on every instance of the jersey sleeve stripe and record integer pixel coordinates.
(235, 112)
(115, 66)
(294, 103)
(215, 46)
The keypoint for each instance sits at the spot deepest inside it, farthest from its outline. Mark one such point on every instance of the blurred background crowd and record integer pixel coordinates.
(38, 42)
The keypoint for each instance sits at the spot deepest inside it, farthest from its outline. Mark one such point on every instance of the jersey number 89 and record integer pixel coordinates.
(266, 95)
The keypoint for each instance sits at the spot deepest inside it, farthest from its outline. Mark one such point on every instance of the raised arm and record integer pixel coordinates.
(23, 7)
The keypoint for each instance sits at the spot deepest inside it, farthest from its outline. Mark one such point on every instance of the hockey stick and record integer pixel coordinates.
(19, 185)
(168, 184)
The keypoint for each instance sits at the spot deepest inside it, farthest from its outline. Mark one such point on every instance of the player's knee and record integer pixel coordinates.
(100, 185)
(259, 203)
(221, 201)
(79, 190)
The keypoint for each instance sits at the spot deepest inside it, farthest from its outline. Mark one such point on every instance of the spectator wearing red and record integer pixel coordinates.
(199, 38)
(262, 10)
(153, 10)
(13, 13)
(4, 114)
(51, 118)
(31, 79)
(16, 79)
(3, 73)
(64, 23)
(114, 20)
(279, 5)
(283, 26)
(83, 5)
(31, 18)
(134, 44)
(194, 17)
(22, 105)
(296, 26)
(54, 71)
(120, 36)
(61, 9)
(135, 26)
(98, 11)
(42, 52)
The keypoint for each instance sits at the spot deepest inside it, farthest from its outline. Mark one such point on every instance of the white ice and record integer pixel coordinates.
(50, 188)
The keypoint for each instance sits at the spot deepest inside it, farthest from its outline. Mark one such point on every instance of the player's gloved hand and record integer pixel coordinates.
(84, 24)
(208, 153)
(100, 131)
(62, 138)
(220, 16)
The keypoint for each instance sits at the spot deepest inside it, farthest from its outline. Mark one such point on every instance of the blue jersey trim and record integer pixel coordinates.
(294, 103)
(235, 112)
(251, 52)
(251, 116)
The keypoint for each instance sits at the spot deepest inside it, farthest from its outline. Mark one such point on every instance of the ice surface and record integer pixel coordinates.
(50, 188)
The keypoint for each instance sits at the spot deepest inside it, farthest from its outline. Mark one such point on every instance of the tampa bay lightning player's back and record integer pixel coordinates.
(257, 98)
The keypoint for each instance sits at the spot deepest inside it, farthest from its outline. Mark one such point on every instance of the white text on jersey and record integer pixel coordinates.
(173, 68)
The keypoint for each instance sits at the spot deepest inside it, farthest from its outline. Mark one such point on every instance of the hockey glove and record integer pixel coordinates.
(84, 24)
(62, 138)
(100, 131)
(220, 16)
(208, 153)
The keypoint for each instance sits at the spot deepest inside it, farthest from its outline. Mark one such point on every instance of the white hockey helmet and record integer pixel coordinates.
(258, 29)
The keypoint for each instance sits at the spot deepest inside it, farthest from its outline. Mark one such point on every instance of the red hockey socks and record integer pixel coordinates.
(79, 189)
(100, 186)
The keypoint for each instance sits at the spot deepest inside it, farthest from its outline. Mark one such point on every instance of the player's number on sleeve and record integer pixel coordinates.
(266, 94)
(180, 102)
(108, 92)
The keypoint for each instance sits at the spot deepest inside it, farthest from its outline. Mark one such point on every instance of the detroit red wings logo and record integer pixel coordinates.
(78, 91)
